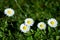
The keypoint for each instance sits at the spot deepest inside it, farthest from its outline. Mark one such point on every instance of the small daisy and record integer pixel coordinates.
(29, 21)
(9, 12)
(41, 25)
(24, 28)
(52, 22)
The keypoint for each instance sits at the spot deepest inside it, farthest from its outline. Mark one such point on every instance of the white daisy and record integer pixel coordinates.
(29, 21)
(52, 22)
(41, 25)
(24, 28)
(9, 12)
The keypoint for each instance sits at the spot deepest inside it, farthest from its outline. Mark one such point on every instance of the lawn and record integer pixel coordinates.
(38, 10)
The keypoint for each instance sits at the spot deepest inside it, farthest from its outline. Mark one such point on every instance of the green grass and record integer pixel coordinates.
(39, 10)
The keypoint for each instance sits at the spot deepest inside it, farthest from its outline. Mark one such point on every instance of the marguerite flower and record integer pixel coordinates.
(29, 21)
(9, 12)
(52, 22)
(41, 25)
(24, 28)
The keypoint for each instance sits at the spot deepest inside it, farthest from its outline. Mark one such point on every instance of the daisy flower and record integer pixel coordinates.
(9, 12)
(52, 22)
(29, 21)
(41, 25)
(24, 28)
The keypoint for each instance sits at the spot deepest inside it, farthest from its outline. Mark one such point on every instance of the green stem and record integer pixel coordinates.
(19, 6)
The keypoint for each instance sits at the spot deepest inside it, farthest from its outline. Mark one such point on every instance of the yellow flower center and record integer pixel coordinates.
(29, 22)
(9, 12)
(41, 25)
(52, 22)
(24, 27)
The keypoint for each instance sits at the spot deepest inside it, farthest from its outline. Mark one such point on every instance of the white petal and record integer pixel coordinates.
(55, 22)
(44, 27)
(29, 19)
(25, 31)
(6, 12)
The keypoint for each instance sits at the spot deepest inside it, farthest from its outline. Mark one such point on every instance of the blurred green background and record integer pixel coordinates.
(39, 10)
